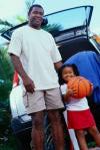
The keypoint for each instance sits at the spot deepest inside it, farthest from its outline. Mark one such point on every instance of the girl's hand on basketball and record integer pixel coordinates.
(70, 92)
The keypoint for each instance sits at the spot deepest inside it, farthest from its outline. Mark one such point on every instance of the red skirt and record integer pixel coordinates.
(80, 119)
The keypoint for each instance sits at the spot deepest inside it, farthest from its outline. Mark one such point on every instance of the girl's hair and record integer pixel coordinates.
(73, 66)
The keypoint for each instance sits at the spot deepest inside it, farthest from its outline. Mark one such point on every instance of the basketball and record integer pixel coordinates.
(81, 86)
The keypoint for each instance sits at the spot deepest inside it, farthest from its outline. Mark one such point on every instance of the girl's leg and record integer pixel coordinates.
(81, 139)
(95, 134)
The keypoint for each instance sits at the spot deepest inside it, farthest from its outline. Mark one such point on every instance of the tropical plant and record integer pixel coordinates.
(4, 25)
(5, 64)
(52, 28)
(6, 72)
(29, 3)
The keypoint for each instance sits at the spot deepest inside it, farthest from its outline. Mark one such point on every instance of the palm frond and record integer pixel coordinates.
(29, 3)
(5, 23)
(21, 19)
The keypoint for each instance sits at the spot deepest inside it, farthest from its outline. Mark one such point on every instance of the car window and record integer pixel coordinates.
(70, 18)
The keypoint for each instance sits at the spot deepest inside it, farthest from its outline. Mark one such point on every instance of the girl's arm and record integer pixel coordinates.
(68, 94)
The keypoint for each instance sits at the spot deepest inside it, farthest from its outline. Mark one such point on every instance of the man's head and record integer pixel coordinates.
(35, 16)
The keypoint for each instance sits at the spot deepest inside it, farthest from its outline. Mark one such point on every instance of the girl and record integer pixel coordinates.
(79, 116)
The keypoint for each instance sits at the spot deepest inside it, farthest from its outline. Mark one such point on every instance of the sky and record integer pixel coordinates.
(11, 8)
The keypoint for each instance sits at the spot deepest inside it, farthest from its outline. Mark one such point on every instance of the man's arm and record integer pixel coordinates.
(58, 65)
(28, 83)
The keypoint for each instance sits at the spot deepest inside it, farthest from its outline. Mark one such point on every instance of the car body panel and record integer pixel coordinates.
(16, 100)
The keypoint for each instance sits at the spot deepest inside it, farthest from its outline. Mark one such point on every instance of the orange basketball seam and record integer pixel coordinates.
(85, 87)
(79, 86)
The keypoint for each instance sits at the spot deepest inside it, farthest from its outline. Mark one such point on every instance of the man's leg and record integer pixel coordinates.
(38, 130)
(57, 129)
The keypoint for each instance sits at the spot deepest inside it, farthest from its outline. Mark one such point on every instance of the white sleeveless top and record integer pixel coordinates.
(74, 104)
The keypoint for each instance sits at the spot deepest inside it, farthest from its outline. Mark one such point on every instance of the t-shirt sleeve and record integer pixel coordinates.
(63, 89)
(15, 45)
(55, 54)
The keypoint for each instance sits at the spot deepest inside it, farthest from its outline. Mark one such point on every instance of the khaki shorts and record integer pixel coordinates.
(41, 100)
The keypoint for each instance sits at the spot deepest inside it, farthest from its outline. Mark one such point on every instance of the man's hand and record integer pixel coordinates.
(28, 84)
(58, 65)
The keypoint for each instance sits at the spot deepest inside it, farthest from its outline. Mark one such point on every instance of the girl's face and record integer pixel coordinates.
(67, 73)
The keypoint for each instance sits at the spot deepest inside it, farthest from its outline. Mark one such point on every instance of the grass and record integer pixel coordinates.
(10, 144)
(91, 144)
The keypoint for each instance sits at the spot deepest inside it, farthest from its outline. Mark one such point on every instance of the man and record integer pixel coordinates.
(35, 57)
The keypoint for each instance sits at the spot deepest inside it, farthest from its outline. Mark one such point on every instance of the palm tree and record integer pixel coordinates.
(29, 3)
(6, 71)
(5, 25)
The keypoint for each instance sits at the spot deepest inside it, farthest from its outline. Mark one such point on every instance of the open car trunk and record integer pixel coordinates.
(68, 49)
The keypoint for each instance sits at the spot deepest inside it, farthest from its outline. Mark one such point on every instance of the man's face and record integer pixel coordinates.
(36, 17)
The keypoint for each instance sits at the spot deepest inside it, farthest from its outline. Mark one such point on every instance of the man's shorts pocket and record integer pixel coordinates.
(25, 99)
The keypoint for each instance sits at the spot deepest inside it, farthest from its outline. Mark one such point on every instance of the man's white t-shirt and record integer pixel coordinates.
(74, 104)
(38, 53)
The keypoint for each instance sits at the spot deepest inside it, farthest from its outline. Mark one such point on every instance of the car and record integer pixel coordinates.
(70, 28)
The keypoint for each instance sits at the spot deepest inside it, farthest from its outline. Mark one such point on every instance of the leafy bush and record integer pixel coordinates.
(6, 74)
